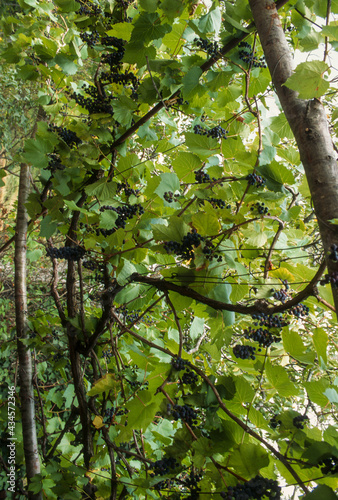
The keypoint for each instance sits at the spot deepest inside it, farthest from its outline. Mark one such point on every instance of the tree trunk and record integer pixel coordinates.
(307, 119)
(30, 443)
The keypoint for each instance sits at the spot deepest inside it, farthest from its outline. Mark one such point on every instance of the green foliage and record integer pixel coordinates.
(187, 238)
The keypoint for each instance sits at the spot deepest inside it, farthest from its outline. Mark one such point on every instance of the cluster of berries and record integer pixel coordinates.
(113, 58)
(186, 248)
(255, 180)
(189, 377)
(269, 320)
(202, 177)
(120, 78)
(124, 212)
(128, 317)
(298, 421)
(329, 465)
(258, 487)
(107, 354)
(169, 196)
(88, 8)
(91, 265)
(68, 136)
(210, 252)
(217, 132)
(179, 363)
(136, 384)
(260, 207)
(111, 413)
(181, 101)
(91, 38)
(191, 482)
(95, 103)
(218, 203)
(67, 253)
(128, 191)
(281, 295)
(263, 337)
(247, 55)
(164, 466)
(55, 163)
(330, 278)
(300, 310)
(244, 351)
(186, 413)
(334, 253)
(274, 422)
(211, 48)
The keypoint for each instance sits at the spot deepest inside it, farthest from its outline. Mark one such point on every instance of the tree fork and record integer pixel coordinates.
(307, 119)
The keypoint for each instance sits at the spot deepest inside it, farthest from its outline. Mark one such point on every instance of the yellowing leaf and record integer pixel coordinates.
(105, 383)
(98, 422)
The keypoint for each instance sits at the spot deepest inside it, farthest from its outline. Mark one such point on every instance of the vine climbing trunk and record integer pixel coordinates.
(308, 121)
(27, 405)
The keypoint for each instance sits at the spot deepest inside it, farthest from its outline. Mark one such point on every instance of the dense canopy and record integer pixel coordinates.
(174, 234)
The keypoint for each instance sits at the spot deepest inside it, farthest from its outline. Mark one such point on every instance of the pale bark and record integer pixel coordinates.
(27, 405)
(308, 121)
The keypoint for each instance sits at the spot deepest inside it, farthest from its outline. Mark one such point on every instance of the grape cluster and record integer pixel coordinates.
(185, 413)
(189, 377)
(218, 203)
(184, 249)
(111, 413)
(68, 136)
(217, 132)
(274, 422)
(179, 363)
(181, 101)
(202, 177)
(331, 278)
(334, 253)
(300, 310)
(120, 78)
(298, 421)
(169, 196)
(191, 482)
(257, 488)
(91, 265)
(128, 317)
(88, 8)
(329, 465)
(67, 253)
(244, 351)
(281, 295)
(95, 103)
(247, 56)
(55, 163)
(255, 180)
(90, 38)
(260, 207)
(269, 320)
(263, 337)
(107, 354)
(136, 384)
(124, 212)
(210, 252)
(113, 58)
(164, 466)
(211, 48)
(128, 191)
